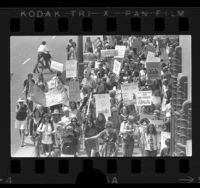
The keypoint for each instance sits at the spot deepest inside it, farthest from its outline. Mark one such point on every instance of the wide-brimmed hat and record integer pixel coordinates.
(56, 111)
(20, 100)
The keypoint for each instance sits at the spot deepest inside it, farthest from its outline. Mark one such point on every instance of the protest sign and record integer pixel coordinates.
(53, 97)
(144, 98)
(71, 68)
(129, 92)
(109, 53)
(153, 70)
(163, 107)
(103, 104)
(97, 64)
(121, 51)
(188, 148)
(37, 95)
(164, 136)
(96, 42)
(52, 83)
(50, 98)
(56, 66)
(150, 57)
(89, 57)
(116, 67)
(74, 91)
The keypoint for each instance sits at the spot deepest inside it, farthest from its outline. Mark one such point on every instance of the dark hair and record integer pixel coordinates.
(103, 121)
(154, 129)
(44, 42)
(73, 102)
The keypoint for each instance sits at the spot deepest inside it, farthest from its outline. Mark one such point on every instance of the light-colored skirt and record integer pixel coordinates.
(20, 124)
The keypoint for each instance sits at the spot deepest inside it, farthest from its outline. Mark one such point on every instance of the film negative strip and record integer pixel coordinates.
(80, 39)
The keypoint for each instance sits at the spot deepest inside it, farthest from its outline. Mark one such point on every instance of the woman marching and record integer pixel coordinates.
(46, 128)
(151, 141)
(109, 136)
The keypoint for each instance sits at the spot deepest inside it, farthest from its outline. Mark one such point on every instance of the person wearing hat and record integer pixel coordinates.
(66, 119)
(21, 118)
(127, 131)
(46, 128)
(27, 84)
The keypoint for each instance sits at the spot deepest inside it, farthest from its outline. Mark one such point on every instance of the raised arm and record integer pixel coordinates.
(96, 136)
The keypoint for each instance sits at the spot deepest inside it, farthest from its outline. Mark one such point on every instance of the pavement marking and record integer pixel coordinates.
(26, 61)
(53, 37)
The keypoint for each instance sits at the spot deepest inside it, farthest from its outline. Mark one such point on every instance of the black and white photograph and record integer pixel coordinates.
(101, 96)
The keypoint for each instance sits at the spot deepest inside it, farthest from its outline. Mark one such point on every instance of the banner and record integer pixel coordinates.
(129, 93)
(116, 67)
(71, 68)
(56, 66)
(37, 95)
(89, 57)
(50, 98)
(121, 51)
(144, 98)
(103, 104)
(74, 91)
(153, 70)
(164, 136)
(109, 53)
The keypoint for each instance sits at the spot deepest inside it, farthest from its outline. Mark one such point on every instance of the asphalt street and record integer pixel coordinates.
(23, 56)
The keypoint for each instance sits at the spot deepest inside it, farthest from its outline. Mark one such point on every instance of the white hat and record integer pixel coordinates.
(20, 100)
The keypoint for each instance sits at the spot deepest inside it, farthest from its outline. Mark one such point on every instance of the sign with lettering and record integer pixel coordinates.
(129, 93)
(103, 104)
(153, 70)
(121, 51)
(144, 98)
(56, 66)
(71, 68)
(116, 67)
(109, 53)
(89, 57)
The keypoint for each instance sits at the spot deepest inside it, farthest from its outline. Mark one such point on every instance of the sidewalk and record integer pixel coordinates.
(27, 151)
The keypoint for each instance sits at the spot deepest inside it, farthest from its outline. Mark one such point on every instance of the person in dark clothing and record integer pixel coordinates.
(91, 146)
(21, 119)
(101, 72)
(27, 84)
